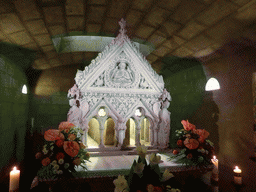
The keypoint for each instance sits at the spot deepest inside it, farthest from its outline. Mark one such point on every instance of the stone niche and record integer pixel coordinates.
(119, 100)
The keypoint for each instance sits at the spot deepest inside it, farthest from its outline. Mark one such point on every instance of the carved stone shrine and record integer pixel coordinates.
(119, 100)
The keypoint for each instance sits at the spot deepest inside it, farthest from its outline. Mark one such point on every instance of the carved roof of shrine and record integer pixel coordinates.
(120, 67)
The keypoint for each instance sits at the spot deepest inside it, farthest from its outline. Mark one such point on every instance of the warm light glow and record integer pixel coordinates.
(214, 157)
(102, 112)
(24, 89)
(212, 84)
(138, 113)
(14, 168)
(237, 170)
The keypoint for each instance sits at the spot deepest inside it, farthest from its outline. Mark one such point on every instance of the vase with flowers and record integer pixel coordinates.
(62, 152)
(193, 146)
(145, 175)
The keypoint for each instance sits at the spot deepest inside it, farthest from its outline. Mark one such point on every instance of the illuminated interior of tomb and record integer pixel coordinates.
(109, 138)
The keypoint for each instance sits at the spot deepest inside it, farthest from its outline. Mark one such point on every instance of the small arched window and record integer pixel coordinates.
(24, 89)
(212, 84)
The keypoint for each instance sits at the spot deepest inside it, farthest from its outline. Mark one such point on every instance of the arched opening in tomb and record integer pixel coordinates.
(145, 132)
(129, 139)
(130, 134)
(93, 137)
(109, 136)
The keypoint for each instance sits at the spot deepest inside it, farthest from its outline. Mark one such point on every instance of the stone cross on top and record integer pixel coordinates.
(122, 24)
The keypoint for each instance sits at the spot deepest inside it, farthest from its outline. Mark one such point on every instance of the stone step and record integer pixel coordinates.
(119, 152)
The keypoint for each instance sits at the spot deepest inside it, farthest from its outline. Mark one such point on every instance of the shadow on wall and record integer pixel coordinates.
(185, 79)
(49, 111)
(206, 117)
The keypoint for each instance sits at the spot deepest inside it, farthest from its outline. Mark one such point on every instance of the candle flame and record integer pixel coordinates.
(236, 167)
(14, 168)
(214, 157)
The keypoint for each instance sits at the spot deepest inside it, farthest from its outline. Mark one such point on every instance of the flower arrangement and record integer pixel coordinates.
(63, 150)
(146, 177)
(193, 146)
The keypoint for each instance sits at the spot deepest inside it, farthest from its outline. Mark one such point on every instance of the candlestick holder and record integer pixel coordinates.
(215, 176)
(237, 179)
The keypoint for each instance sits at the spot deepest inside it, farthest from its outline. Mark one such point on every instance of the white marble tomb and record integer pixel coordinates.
(121, 85)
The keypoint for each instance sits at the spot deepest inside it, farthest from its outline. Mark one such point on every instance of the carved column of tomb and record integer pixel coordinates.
(102, 120)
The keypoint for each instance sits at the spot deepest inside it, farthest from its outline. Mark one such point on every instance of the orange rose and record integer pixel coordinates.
(71, 148)
(59, 142)
(53, 134)
(77, 161)
(71, 137)
(203, 134)
(188, 126)
(60, 155)
(191, 143)
(66, 126)
(180, 143)
(46, 161)
(175, 152)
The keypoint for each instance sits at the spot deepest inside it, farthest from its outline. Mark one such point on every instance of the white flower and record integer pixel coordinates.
(120, 183)
(139, 167)
(56, 167)
(170, 189)
(45, 151)
(154, 159)
(141, 150)
(54, 162)
(61, 161)
(167, 175)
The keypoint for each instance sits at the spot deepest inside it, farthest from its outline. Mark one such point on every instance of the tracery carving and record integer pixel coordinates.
(100, 82)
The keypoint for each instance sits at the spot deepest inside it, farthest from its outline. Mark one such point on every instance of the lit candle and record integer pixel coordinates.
(215, 170)
(14, 179)
(237, 176)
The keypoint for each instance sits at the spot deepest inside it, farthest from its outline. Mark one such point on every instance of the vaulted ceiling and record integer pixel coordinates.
(184, 28)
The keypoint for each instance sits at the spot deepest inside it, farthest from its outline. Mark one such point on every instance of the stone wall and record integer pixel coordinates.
(234, 71)
(13, 111)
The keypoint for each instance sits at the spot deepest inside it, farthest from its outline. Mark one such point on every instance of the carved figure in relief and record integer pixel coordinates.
(144, 84)
(164, 125)
(100, 81)
(75, 113)
(121, 74)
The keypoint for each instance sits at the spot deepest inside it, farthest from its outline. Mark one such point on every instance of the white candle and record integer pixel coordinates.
(14, 179)
(237, 176)
(216, 164)
(215, 170)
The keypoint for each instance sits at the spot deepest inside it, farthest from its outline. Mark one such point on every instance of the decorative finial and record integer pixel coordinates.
(122, 24)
